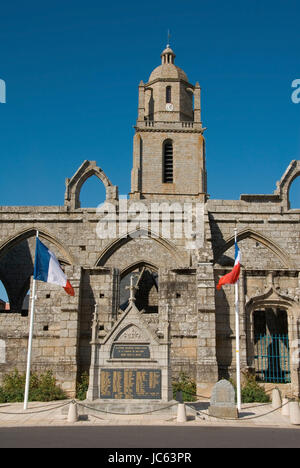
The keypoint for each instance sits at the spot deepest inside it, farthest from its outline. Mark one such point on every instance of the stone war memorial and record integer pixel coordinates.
(145, 269)
(131, 363)
(222, 404)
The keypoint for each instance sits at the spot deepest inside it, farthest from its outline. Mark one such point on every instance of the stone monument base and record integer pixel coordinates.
(223, 412)
(123, 409)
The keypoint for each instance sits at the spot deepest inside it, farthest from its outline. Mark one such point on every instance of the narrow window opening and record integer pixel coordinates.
(168, 163)
(168, 94)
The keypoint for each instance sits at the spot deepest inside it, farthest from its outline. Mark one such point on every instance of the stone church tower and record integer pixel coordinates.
(169, 147)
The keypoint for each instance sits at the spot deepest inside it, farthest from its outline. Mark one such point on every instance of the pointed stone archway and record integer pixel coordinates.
(74, 185)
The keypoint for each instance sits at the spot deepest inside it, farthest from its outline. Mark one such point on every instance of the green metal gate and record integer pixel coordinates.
(272, 358)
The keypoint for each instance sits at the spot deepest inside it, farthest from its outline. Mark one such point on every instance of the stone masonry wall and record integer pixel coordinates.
(201, 319)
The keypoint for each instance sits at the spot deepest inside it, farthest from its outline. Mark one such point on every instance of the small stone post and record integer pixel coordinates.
(73, 412)
(181, 413)
(285, 410)
(276, 398)
(294, 413)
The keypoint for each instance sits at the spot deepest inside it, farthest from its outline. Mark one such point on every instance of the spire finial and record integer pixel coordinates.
(168, 55)
(169, 36)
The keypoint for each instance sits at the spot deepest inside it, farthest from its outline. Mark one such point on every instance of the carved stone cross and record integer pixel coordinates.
(133, 289)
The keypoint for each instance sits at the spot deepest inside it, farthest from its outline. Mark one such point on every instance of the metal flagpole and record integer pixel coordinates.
(33, 298)
(237, 335)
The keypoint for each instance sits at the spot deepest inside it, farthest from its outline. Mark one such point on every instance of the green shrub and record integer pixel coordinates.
(251, 391)
(2, 395)
(82, 386)
(187, 386)
(42, 387)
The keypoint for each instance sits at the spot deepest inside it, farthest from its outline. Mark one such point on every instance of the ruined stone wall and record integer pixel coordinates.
(202, 324)
(13, 343)
(62, 330)
(99, 287)
(269, 239)
(178, 291)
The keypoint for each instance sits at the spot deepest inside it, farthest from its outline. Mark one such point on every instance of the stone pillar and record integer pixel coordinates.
(197, 103)
(93, 390)
(243, 321)
(294, 333)
(66, 371)
(141, 109)
(207, 367)
(136, 170)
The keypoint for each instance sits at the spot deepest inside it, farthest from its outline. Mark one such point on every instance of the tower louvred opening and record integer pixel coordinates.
(168, 162)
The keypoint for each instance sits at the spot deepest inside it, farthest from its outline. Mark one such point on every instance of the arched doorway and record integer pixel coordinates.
(271, 345)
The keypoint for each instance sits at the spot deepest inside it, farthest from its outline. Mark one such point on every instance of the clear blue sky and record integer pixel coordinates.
(72, 71)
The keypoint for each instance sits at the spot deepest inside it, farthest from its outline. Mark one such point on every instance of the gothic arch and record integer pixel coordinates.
(283, 186)
(249, 233)
(74, 185)
(115, 245)
(136, 265)
(31, 232)
(269, 298)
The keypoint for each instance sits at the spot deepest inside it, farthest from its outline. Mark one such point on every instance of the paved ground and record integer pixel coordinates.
(45, 425)
(117, 440)
(51, 414)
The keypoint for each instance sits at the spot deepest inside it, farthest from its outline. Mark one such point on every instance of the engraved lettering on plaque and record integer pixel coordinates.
(105, 384)
(130, 384)
(130, 351)
(140, 383)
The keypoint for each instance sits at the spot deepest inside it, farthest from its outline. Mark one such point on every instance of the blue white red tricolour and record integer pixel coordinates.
(48, 269)
(233, 276)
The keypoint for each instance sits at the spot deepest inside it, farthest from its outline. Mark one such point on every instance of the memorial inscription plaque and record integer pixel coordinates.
(131, 351)
(130, 384)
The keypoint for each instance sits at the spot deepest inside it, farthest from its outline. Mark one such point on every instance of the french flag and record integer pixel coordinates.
(48, 269)
(233, 276)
